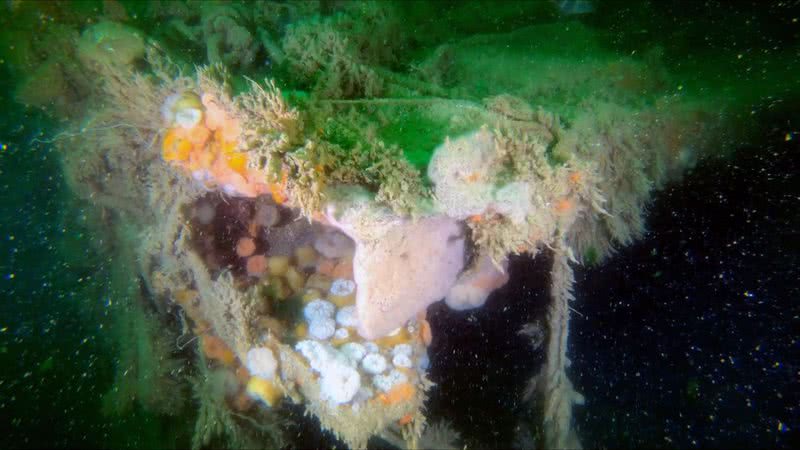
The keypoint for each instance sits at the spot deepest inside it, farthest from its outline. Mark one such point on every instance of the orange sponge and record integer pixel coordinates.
(400, 393)
(216, 349)
(175, 147)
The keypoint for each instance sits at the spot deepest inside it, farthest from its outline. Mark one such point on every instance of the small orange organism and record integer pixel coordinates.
(242, 374)
(242, 402)
(278, 190)
(197, 135)
(472, 177)
(343, 269)
(575, 177)
(563, 205)
(184, 296)
(216, 349)
(175, 146)
(256, 265)
(326, 266)
(301, 331)
(237, 161)
(425, 332)
(400, 393)
(252, 228)
(405, 419)
(245, 247)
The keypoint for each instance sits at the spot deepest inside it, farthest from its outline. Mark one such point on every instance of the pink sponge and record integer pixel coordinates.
(475, 285)
(400, 265)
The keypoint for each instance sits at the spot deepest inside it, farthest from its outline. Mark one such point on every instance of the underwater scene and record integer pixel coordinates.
(439, 224)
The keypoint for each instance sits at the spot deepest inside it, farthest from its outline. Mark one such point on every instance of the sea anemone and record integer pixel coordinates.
(374, 363)
(266, 215)
(245, 247)
(183, 109)
(347, 317)
(334, 244)
(256, 265)
(321, 329)
(261, 362)
(342, 292)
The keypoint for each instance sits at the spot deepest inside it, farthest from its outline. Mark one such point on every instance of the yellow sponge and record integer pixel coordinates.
(264, 390)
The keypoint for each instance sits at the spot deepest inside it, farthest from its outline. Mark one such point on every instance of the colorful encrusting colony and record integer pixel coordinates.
(293, 230)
